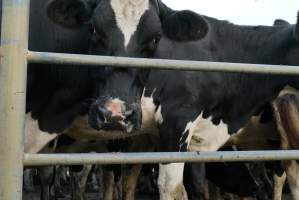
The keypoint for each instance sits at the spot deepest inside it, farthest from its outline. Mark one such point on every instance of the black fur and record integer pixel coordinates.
(297, 28)
(280, 22)
(185, 26)
(70, 13)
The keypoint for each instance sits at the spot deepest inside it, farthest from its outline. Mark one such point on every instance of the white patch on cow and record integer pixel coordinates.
(278, 186)
(206, 136)
(170, 181)
(35, 139)
(116, 106)
(158, 115)
(292, 171)
(128, 14)
(149, 114)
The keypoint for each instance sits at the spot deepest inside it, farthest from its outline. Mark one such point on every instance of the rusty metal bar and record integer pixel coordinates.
(76, 59)
(13, 70)
(133, 158)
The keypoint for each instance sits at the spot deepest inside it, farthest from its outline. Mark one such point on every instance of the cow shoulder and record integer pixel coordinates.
(185, 26)
(70, 13)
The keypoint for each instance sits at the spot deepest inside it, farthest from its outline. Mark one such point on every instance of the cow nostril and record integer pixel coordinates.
(116, 119)
(104, 114)
(129, 113)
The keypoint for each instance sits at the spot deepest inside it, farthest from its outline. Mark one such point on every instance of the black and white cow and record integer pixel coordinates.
(207, 106)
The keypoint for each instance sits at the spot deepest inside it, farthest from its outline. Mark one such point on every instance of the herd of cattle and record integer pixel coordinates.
(106, 109)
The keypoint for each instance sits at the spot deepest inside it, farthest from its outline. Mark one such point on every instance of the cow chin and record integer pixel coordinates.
(114, 115)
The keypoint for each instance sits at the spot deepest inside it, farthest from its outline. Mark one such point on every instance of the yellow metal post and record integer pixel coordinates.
(13, 71)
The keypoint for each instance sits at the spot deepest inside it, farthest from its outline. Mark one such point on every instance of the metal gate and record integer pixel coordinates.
(14, 57)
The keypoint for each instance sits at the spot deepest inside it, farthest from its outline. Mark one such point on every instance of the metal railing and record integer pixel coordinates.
(13, 70)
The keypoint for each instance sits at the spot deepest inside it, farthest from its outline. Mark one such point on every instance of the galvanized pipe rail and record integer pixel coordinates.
(146, 158)
(13, 71)
(77, 59)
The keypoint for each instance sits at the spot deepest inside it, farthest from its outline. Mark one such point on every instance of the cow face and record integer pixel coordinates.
(128, 28)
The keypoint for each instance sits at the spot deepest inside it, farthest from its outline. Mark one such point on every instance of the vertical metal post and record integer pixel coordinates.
(13, 71)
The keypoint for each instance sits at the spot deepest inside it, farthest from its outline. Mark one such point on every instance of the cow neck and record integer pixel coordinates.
(251, 44)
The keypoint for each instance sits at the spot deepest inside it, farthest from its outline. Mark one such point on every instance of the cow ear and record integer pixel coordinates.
(280, 22)
(182, 25)
(70, 13)
(185, 26)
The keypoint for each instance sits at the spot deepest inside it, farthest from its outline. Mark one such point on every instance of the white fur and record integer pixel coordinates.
(158, 115)
(292, 171)
(278, 186)
(170, 179)
(128, 14)
(117, 101)
(151, 116)
(35, 139)
(205, 136)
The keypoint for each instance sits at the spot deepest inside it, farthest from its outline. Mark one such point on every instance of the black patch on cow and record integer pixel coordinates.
(275, 167)
(71, 13)
(194, 180)
(297, 28)
(183, 143)
(117, 171)
(117, 145)
(267, 114)
(240, 182)
(184, 137)
(275, 143)
(65, 140)
(52, 143)
(185, 26)
(76, 168)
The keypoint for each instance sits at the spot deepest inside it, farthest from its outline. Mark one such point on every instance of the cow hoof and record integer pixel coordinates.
(179, 193)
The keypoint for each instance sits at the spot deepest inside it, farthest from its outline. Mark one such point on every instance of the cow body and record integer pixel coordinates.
(238, 97)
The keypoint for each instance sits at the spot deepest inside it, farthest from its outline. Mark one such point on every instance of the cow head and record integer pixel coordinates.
(128, 28)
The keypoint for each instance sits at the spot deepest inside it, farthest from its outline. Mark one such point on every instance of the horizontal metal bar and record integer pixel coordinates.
(134, 158)
(76, 59)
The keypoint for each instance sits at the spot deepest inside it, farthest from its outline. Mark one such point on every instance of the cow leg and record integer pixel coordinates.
(94, 180)
(194, 180)
(286, 115)
(79, 180)
(171, 182)
(47, 175)
(108, 185)
(28, 180)
(292, 171)
(60, 180)
(214, 191)
(131, 181)
(278, 186)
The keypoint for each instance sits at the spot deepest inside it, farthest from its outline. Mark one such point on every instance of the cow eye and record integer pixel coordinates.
(98, 40)
(155, 41)
(151, 45)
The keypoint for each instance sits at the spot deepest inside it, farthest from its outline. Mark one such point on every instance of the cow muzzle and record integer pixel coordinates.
(114, 115)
